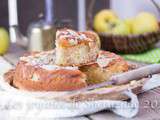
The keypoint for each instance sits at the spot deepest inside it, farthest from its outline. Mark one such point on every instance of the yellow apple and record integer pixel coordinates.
(120, 28)
(103, 20)
(4, 41)
(145, 22)
(129, 22)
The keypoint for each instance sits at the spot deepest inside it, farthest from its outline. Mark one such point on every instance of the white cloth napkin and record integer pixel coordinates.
(17, 105)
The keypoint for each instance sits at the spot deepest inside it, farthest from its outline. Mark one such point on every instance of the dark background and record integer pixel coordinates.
(33, 10)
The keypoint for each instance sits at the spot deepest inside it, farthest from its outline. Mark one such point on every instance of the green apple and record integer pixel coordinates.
(120, 28)
(145, 22)
(4, 41)
(103, 19)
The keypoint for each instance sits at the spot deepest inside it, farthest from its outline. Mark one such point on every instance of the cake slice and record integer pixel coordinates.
(37, 72)
(76, 48)
(106, 65)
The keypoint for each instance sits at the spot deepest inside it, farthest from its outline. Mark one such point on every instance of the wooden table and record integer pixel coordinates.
(149, 102)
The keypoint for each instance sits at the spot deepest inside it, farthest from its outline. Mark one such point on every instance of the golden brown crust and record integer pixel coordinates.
(69, 38)
(93, 36)
(37, 79)
(8, 76)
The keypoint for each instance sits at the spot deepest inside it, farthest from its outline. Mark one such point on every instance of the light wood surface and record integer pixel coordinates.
(149, 101)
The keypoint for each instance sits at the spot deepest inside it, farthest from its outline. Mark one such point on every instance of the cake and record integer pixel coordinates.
(76, 48)
(106, 65)
(75, 63)
(38, 72)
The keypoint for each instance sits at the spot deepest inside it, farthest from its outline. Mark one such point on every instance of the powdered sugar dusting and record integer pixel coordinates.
(104, 60)
(45, 60)
(55, 67)
(39, 59)
(72, 36)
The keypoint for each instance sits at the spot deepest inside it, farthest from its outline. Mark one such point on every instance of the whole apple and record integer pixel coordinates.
(103, 20)
(145, 22)
(129, 22)
(120, 28)
(4, 41)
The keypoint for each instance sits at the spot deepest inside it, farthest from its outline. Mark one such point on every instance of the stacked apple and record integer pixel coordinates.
(107, 21)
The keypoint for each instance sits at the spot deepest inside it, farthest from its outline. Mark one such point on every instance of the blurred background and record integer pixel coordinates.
(32, 24)
(33, 10)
